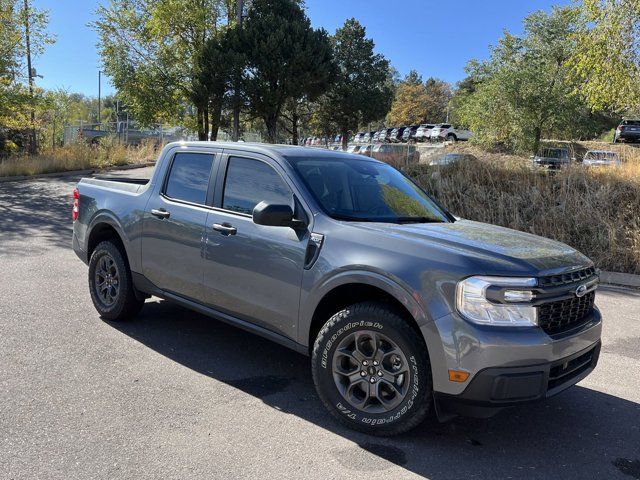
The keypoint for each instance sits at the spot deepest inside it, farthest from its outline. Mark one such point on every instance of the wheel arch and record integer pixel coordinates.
(354, 287)
(103, 227)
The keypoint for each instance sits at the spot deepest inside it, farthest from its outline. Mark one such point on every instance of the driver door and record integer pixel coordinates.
(251, 271)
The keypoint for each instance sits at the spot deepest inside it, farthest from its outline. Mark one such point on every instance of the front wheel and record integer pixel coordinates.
(371, 370)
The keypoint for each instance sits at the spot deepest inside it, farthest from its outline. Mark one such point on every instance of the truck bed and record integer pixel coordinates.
(132, 185)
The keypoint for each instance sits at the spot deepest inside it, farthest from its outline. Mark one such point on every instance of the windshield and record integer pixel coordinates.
(601, 156)
(362, 190)
(554, 153)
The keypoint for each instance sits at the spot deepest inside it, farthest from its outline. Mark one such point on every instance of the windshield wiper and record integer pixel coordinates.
(418, 220)
(387, 219)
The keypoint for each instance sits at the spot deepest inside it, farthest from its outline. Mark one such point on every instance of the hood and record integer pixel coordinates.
(495, 248)
(550, 160)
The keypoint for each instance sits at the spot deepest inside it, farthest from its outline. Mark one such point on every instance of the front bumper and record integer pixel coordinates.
(487, 352)
(493, 389)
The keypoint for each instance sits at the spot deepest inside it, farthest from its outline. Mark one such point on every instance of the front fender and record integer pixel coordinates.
(312, 298)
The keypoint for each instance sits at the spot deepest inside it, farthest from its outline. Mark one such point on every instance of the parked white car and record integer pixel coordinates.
(424, 132)
(601, 158)
(446, 131)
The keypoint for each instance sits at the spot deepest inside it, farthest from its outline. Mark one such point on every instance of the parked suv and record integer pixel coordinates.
(405, 310)
(601, 158)
(552, 158)
(409, 133)
(385, 134)
(446, 131)
(423, 133)
(396, 134)
(627, 131)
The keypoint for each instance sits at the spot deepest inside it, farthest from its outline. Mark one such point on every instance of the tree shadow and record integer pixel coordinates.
(580, 434)
(36, 209)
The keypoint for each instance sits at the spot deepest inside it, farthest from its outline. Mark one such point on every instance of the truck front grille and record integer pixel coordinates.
(567, 278)
(563, 315)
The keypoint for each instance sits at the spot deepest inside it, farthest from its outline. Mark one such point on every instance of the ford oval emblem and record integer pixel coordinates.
(581, 291)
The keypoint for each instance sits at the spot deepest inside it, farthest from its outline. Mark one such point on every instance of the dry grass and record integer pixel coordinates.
(77, 157)
(597, 211)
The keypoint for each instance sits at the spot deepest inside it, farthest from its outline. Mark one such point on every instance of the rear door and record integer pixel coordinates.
(251, 271)
(174, 223)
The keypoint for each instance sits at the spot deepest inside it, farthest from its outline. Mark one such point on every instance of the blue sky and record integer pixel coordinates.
(436, 38)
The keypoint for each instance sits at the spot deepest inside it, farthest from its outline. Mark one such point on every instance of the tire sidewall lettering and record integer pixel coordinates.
(362, 417)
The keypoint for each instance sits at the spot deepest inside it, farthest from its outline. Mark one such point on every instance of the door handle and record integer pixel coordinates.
(225, 228)
(161, 213)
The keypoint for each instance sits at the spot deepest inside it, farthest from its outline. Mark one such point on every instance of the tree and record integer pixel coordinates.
(524, 89)
(607, 58)
(438, 97)
(150, 48)
(285, 59)
(363, 89)
(18, 103)
(409, 104)
(215, 66)
(296, 116)
(417, 102)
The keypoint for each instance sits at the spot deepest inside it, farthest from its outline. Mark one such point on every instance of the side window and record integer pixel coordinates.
(189, 177)
(250, 182)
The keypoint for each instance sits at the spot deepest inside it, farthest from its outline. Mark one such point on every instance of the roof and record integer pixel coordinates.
(285, 151)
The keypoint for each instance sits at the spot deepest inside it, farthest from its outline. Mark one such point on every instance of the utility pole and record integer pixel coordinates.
(32, 141)
(235, 136)
(99, 96)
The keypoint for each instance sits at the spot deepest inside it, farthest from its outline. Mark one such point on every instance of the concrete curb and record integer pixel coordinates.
(624, 279)
(74, 173)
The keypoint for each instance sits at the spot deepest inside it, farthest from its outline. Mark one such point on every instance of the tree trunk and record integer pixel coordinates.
(345, 138)
(271, 122)
(205, 118)
(294, 124)
(536, 140)
(216, 114)
(202, 134)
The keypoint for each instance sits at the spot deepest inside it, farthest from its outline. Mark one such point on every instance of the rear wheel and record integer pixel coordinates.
(110, 283)
(452, 138)
(372, 370)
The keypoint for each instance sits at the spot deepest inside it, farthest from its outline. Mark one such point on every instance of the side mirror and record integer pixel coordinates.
(274, 215)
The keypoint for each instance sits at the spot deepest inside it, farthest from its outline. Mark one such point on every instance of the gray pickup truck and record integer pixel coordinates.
(405, 310)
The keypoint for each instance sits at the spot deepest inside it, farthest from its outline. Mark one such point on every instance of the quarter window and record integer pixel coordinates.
(189, 177)
(250, 182)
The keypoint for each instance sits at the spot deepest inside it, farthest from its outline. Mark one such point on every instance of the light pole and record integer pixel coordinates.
(235, 135)
(32, 142)
(99, 96)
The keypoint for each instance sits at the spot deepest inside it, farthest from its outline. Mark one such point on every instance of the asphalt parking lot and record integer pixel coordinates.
(176, 395)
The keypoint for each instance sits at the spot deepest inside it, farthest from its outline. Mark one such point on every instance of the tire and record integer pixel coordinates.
(110, 283)
(401, 357)
(452, 138)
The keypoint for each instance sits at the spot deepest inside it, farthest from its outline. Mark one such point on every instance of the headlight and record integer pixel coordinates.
(500, 301)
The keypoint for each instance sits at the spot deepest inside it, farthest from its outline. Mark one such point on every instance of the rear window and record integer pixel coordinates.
(189, 177)
(631, 122)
